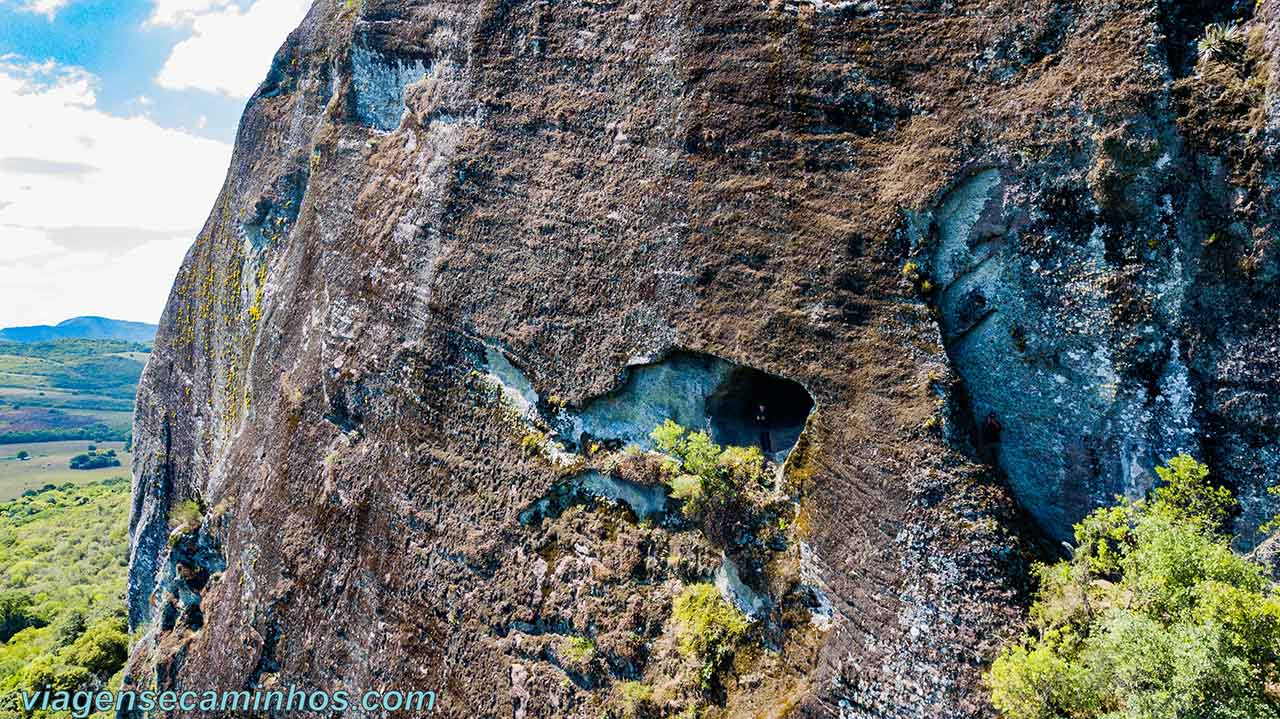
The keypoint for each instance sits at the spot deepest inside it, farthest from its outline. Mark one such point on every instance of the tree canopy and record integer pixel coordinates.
(1153, 617)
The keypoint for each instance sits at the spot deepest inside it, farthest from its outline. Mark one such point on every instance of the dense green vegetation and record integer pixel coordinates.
(1153, 617)
(63, 552)
(706, 476)
(94, 433)
(71, 350)
(95, 460)
(70, 389)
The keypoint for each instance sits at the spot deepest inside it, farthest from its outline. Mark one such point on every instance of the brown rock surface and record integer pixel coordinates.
(593, 183)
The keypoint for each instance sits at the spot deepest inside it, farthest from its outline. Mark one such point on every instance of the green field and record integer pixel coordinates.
(48, 465)
(71, 389)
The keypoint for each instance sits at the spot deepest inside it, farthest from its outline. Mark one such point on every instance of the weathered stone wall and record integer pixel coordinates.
(588, 185)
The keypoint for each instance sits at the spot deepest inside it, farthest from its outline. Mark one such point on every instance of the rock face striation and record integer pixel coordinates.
(467, 251)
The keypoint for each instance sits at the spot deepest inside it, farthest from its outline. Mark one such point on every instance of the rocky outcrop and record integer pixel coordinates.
(459, 243)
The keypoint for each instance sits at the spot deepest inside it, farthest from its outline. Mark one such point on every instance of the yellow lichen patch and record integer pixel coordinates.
(255, 309)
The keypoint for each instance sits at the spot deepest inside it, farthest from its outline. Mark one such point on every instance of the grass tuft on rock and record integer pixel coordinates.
(707, 628)
(185, 516)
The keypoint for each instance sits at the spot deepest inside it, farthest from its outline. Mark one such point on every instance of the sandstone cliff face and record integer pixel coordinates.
(450, 227)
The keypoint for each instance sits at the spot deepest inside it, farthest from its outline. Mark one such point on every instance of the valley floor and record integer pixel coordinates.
(49, 465)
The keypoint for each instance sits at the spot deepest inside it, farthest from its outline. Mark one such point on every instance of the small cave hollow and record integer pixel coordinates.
(701, 392)
(751, 407)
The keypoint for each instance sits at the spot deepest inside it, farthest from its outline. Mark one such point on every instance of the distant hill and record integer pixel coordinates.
(68, 389)
(93, 328)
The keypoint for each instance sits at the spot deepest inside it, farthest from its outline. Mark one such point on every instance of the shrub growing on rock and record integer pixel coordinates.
(743, 466)
(632, 700)
(1221, 42)
(578, 650)
(713, 482)
(1154, 616)
(186, 516)
(532, 442)
(694, 451)
(707, 628)
(688, 489)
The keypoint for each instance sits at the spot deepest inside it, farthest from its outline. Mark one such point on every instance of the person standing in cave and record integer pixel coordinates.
(989, 438)
(762, 421)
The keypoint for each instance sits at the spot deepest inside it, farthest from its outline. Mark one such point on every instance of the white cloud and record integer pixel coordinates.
(50, 288)
(97, 210)
(48, 8)
(230, 49)
(21, 243)
(180, 12)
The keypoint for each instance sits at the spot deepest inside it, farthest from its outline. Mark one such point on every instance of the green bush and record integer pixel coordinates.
(742, 465)
(695, 451)
(533, 441)
(632, 700)
(578, 650)
(103, 648)
(69, 627)
(93, 460)
(1153, 617)
(49, 673)
(687, 488)
(15, 614)
(703, 474)
(1188, 496)
(707, 628)
(186, 516)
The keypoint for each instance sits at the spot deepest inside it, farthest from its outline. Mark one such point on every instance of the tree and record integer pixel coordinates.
(69, 627)
(717, 486)
(23, 455)
(15, 614)
(93, 460)
(1187, 495)
(102, 649)
(1154, 616)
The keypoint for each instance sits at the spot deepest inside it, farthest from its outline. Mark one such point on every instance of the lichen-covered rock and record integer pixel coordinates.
(450, 228)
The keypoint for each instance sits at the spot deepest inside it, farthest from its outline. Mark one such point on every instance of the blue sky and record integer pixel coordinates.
(114, 140)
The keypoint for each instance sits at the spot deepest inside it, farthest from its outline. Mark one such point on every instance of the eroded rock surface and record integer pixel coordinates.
(916, 214)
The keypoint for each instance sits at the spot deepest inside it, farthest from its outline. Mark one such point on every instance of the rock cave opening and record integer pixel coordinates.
(750, 404)
(701, 392)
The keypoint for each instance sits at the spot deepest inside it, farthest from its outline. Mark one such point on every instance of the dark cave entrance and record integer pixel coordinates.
(699, 391)
(734, 407)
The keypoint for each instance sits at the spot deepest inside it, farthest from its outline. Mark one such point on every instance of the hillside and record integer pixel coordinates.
(717, 359)
(94, 328)
(68, 389)
(62, 570)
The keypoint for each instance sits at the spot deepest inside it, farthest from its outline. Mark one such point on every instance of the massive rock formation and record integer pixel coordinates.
(463, 245)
